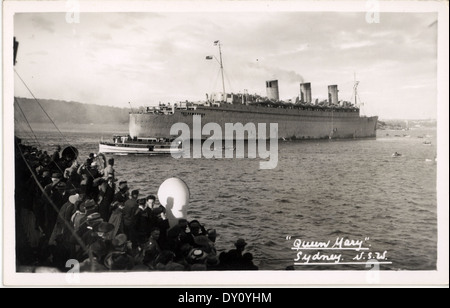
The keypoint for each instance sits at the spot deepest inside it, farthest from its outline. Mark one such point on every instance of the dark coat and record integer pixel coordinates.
(61, 233)
(104, 207)
(142, 224)
(129, 210)
(117, 220)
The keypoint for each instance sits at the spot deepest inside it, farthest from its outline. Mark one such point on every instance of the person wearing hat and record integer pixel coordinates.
(105, 198)
(116, 218)
(247, 262)
(86, 231)
(120, 248)
(203, 243)
(73, 178)
(109, 169)
(87, 227)
(130, 207)
(212, 235)
(56, 178)
(142, 222)
(45, 177)
(87, 218)
(119, 262)
(56, 156)
(123, 194)
(184, 236)
(80, 211)
(197, 260)
(61, 187)
(212, 263)
(158, 218)
(120, 243)
(97, 233)
(84, 167)
(93, 170)
(98, 251)
(234, 256)
(165, 262)
(154, 211)
(90, 207)
(55, 196)
(89, 172)
(45, 159)
(61, 232)
(102, 229)
(151, 249)
(59, 240)
(196, 229)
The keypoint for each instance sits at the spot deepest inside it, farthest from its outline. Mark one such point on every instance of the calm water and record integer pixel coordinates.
(320, 191)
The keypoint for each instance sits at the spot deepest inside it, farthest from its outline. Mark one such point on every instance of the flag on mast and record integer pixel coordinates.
(216, 42)
(209, 57)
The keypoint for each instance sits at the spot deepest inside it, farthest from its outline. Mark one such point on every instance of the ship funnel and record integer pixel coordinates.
(305, 93)
(333, 94)
(272, 90)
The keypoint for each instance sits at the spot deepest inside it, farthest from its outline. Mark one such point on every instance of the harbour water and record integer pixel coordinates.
(320, 191)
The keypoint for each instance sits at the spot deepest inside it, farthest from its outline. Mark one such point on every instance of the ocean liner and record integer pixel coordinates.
(299, 119)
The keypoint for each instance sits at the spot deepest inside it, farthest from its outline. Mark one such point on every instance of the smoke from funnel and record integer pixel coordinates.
(288, 75)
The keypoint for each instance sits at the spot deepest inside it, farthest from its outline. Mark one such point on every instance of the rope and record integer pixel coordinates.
(23, 114)
(67, 142)
(37, 101)
(215, 81)
(26, 120)
(27, 135)
(229, 83)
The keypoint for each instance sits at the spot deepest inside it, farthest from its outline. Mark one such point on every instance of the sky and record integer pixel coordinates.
(146, 58)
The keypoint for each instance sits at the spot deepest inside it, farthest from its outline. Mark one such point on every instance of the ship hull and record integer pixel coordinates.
(293, 123)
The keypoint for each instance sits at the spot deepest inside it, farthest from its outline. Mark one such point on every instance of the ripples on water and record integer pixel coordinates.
(318, 192)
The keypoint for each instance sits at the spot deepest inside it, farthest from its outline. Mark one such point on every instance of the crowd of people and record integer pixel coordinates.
(66, 210)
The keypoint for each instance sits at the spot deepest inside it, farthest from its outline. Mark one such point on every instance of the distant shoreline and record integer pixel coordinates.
(68, 127)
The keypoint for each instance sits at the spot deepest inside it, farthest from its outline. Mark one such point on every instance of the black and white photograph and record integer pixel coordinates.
(226, 143)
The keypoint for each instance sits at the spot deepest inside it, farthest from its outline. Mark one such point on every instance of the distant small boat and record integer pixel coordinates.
(396, 154)
(427, 142)
(123, 145)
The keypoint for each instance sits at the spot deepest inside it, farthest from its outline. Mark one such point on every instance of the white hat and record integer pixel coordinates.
(74, 198)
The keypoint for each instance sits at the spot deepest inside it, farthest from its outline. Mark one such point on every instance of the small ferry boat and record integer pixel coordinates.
(148, 146)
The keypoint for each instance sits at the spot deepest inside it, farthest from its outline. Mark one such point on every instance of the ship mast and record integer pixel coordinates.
(355, 91)
(221, 66)
(221, 69)
(357, 98)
